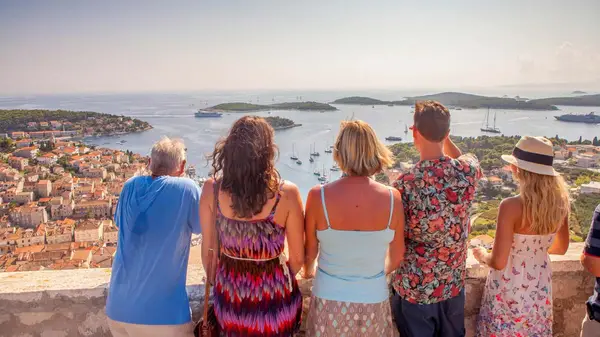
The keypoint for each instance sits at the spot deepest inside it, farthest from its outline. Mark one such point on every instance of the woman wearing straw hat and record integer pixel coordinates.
(517, 299)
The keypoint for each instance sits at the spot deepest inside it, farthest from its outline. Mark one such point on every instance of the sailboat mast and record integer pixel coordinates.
(487, 118)
(494, 120)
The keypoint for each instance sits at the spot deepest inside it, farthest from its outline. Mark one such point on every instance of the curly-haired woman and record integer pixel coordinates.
(256, 293)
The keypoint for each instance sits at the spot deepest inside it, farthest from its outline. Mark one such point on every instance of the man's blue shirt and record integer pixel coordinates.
(156, 218)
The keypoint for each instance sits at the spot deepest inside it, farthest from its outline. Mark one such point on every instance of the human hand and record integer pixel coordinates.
(480, 254)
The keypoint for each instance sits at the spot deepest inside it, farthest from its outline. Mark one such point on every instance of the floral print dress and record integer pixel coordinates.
(517, 301)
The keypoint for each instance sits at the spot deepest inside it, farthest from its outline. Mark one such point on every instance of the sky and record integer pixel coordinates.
(50, 47)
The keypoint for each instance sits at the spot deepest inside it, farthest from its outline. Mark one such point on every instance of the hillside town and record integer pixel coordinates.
(57, 200)
(58, 196)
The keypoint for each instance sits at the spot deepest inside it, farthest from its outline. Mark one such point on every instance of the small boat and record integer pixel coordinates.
(207, 114)
(334, 168)
(293, 156)
(457, 108)
(313, 152)
(317, 173)
(393, 139)
(390, 104)
(405, 129)
(299, 162)
(323, 176)
(311, 159)
(328, 151)
(488, 128)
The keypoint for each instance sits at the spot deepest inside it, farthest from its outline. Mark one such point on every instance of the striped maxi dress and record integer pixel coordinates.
(255, 293)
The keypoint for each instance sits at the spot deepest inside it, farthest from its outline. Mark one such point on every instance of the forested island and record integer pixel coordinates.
(280, 123)
(456, 100)
(585, 100)
(249, 107)
(89, 123)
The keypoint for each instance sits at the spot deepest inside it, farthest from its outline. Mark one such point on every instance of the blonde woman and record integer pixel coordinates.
(356, 227)
(517, 299)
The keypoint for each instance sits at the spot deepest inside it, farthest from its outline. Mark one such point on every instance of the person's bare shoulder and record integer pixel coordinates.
(511, 206)
(208, 187)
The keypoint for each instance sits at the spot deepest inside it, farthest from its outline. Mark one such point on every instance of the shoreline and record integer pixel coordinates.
(278, 128)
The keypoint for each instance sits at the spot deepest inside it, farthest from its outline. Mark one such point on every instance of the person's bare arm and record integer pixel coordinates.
(591, 264)
(450, 149)
(294, 227)
(561, 240)
(209, 232)
(310, 230)
(507, 216)
(396, 249)
(590, 259)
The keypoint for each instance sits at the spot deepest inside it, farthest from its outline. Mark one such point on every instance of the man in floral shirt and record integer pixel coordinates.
(437, 194)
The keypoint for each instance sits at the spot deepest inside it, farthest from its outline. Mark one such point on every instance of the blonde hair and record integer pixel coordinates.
(358, 151)
(166, 156)
(545, 201)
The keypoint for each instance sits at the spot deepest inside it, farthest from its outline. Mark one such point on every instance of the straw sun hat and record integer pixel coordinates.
(533, 154)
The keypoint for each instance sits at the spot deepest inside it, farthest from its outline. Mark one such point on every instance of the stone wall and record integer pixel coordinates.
(71, 303)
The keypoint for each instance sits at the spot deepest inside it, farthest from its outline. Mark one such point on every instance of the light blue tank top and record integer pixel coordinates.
(351, 263)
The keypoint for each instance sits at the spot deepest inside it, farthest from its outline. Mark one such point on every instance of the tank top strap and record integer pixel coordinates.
(324, 206)
(216, 189)
(391, 208)
(277, 198)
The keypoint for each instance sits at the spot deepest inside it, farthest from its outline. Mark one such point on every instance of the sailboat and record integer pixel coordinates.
(316, 172)
(314, 151)
(328, 149)
(293, 156)
(405, 128)
(323, 176)
(335, 167)
(487, 127)
(311, 159)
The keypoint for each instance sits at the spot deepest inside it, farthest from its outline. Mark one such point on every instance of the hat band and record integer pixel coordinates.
(533, 157)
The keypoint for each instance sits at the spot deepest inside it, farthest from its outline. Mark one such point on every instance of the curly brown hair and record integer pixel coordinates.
(245, 163)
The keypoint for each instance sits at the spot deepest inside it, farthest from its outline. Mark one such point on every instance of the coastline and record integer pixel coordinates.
(278, 128)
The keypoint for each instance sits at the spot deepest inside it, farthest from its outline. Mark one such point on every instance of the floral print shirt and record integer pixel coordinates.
(437, 196)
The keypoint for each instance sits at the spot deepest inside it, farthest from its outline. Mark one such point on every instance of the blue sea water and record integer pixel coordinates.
(172, 114)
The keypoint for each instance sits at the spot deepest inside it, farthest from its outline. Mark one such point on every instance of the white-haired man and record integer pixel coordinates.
(156, 216)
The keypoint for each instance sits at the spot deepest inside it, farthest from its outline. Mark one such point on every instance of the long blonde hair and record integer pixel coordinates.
(545, 201)
(358, 151)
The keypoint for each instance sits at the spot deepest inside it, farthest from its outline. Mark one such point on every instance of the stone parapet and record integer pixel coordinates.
(71, 303)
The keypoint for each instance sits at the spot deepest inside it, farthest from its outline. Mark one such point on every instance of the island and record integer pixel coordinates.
(280, 123)
(456, 100)
(69, 123)
(585, 100)
(249, 107)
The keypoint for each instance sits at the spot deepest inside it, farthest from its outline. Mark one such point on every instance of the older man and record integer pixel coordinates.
(156, 216)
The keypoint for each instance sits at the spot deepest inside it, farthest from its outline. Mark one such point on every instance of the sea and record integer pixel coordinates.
(172, 114)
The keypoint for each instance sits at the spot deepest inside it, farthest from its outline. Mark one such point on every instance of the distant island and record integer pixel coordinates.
(84, 122)
(457, 100)
(585, 100)
(249, 107)
(280, 123)
(578, 92)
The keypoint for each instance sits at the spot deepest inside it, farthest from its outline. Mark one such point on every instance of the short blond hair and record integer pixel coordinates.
(166, 156)
(358, 151)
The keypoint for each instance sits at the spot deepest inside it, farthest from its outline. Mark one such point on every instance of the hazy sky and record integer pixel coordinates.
(118, 46)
